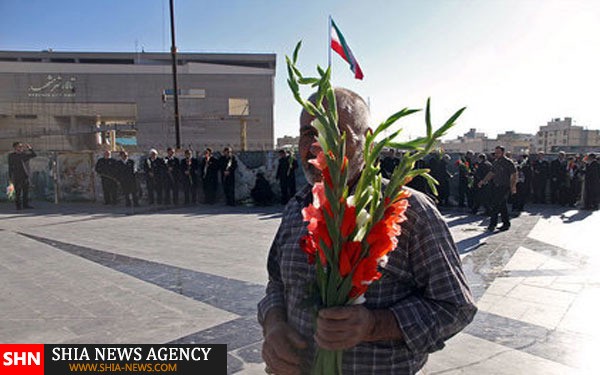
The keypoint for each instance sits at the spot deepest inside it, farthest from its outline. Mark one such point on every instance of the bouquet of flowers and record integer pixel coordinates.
(10, 192)
(351, 232)
(466, 167)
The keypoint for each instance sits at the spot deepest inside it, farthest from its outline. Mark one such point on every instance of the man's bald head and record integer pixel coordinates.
(351, 107)
(353, 114)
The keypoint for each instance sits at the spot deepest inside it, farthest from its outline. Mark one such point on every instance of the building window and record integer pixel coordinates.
(26, 117)
(238, 107)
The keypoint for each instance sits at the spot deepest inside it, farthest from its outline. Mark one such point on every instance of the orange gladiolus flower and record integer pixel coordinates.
(349, 221)
(313, 215)
(357, 291)
(365, 273)
(308, 246)
(321, 233)
(381, 240)
(327, 177)
(319, 162)
(318, 192)
(349, 256)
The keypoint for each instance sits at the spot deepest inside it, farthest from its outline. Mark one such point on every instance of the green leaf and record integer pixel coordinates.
(410, 145)
(308, 80)
(296, 50)
(417, 172)
(428, 118)
(344, 290)
(321, 71)
(392, 119)
(431, 182)
(331, 102)
(450, 123)
(321, 278)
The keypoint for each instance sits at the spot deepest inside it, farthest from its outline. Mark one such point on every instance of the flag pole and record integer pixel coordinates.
(329, 42)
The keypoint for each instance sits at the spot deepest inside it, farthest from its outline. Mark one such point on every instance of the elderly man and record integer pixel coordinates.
(421, 300)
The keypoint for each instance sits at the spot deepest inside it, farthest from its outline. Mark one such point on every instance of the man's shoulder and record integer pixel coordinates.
(420, 204)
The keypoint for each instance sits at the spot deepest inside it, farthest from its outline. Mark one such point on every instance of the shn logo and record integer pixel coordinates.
(21, 358)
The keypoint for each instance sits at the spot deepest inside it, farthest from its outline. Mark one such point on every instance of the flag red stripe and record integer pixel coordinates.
(337, 47)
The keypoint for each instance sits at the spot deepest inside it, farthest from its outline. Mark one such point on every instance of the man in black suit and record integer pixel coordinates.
(209, 171)
(126, 172)
(155, 170)
(503, 176)
(228, 167)
(18, 173)
(286, 174)
(481, 193)
(592, 183)
(106, 167)
(558, 179)
(189, 168)
(172, 177)
(541, 171)
(389, 164)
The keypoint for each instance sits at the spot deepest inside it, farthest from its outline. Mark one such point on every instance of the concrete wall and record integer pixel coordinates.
(76, 180)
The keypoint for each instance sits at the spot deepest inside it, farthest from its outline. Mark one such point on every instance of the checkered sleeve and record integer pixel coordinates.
(274, 294)
(444, 305)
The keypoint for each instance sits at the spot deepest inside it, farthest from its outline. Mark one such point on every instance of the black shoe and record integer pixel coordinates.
(27, 207)
(504, 228)
(491, 228)
(19, 208)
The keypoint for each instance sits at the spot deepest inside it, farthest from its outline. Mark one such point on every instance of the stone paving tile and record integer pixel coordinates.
(523, 284)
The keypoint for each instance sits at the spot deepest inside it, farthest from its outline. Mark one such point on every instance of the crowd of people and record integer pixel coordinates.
(566, 180)
(167, 176)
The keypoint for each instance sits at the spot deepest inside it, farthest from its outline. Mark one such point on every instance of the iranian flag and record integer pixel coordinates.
(339, 45)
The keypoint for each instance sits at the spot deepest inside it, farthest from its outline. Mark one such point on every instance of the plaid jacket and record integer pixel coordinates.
(422, 284)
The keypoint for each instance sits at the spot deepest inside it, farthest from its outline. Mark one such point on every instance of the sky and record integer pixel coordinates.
(515, 64)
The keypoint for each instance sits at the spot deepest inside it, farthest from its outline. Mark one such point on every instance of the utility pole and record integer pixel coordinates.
(175, 89)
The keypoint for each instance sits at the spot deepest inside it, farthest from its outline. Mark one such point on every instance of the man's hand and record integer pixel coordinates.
(28, 146)
(344, 327)
(513, 190)
(226, 173)
(280, 349)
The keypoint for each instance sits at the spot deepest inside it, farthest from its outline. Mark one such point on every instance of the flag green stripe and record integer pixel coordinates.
(344, 45)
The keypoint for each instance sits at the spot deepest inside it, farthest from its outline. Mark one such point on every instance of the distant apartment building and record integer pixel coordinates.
(288, 142)
(562, 135)
(517, 143)
(471, 141)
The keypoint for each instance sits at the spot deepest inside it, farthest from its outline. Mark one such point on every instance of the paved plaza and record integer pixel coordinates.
(84, 273)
